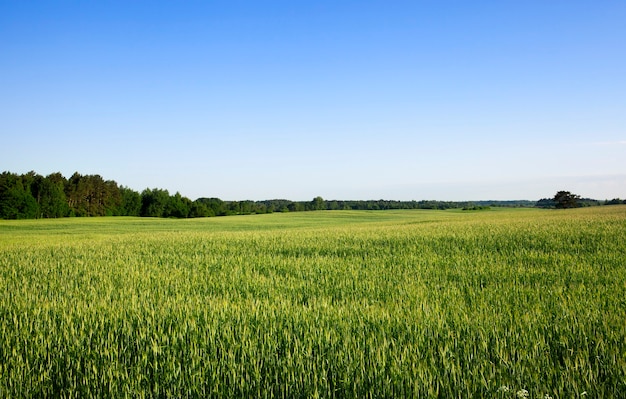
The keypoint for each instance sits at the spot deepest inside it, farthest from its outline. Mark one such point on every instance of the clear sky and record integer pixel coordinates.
(444, 100)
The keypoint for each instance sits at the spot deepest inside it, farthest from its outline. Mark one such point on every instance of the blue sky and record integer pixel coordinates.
(452, 100)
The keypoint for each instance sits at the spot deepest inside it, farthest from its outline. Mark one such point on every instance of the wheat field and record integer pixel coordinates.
(330, 304)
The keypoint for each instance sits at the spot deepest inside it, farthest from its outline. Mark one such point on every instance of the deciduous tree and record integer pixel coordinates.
(565, 199)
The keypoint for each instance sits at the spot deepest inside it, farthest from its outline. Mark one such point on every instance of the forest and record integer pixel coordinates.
(33, 196)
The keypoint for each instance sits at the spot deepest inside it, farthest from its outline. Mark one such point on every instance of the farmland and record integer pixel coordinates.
(496, 303)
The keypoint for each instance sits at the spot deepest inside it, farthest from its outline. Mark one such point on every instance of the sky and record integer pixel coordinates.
(398, 100)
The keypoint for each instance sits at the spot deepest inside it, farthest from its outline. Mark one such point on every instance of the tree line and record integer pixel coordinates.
(566, 199)
(31, 196)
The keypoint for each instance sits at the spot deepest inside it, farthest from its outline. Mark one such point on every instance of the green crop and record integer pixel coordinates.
(451, 304)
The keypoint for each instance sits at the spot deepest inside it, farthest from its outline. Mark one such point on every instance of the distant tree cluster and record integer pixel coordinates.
(565, 200)
(615, 201)
(30, 196)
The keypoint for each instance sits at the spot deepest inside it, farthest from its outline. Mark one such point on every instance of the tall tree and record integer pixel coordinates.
(77, 194)
(177, 206)
(318, 204)
(96, 193)
(565, 199)
(111, 198)
(16, 200)
(153, 202)
(131, 202)
(51, 196)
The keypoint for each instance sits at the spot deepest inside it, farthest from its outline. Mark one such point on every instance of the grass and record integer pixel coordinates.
(317, 304)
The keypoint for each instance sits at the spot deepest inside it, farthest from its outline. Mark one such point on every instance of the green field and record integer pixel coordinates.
(451, 304)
